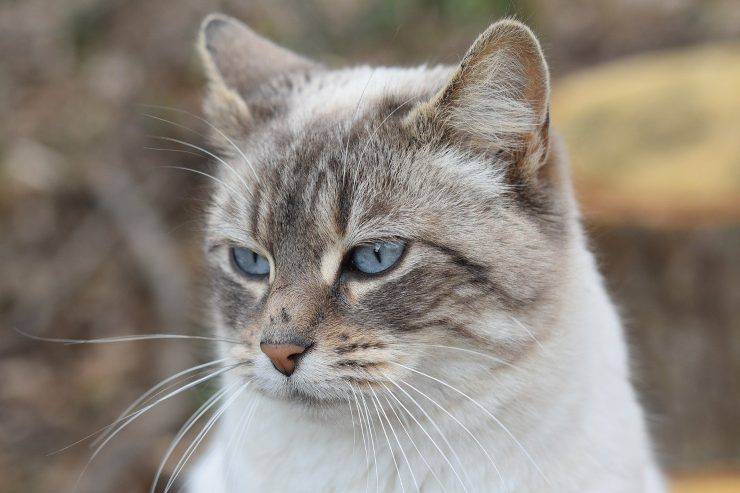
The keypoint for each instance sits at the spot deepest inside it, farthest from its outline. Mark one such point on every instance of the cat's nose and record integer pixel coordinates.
(284, 357)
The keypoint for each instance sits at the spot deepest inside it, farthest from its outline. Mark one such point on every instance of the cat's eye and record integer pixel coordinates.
(250, 263)
(375, 258)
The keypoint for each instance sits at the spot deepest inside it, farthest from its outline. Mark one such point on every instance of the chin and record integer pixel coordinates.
(317, 397)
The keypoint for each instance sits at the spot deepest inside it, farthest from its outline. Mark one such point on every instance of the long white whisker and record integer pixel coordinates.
(203, 409)
(175, 124)
(232, 444)
(201, 435)
(379, 406)
(246, 429)
(167, 149)
(413, 443)
(126, 338)
(371, 432)
(465, 428)
(354, 117)
(138, 413)
(373, 399)
(214, 127)
(246, 420)
(431, 439)
(441, 434)
(478, 353)
(487, 412)
(103, 430)
(361, 418)
(159, 386)
(203, 173)
(209, 153)
(354, 427)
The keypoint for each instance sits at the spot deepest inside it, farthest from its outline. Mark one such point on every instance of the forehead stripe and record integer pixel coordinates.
(256, 204)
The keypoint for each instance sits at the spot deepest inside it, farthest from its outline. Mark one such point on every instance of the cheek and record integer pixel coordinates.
(239, 306)
(411, 302)
(344, 344)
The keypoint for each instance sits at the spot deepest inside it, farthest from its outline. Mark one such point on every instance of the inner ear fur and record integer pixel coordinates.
(497, 101)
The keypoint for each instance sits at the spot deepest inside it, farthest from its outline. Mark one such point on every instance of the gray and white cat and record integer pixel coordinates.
(398, 254)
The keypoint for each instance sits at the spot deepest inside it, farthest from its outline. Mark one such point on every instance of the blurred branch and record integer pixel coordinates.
(156, 256)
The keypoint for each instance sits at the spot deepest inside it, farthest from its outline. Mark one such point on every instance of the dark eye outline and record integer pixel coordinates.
(350, 266)
(249, 275)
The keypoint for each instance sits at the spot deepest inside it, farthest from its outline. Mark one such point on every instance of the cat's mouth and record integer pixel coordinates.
(295, 389)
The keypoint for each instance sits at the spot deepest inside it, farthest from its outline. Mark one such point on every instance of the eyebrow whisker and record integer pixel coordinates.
(211, 125)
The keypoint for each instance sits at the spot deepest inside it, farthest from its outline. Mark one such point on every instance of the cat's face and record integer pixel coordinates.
(359, 231)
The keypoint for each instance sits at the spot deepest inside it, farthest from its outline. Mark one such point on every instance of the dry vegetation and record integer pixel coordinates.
(657, 134)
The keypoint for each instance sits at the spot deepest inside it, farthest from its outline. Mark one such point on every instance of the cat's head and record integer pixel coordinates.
(368, 221)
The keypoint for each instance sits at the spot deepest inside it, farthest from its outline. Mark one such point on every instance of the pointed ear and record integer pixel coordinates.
(237, 61)
(239, 58)
(497, 101)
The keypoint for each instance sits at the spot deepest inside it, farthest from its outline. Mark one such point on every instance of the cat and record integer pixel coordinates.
(401, 284)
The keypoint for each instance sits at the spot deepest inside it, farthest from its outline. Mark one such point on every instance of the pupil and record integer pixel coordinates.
(376, 251)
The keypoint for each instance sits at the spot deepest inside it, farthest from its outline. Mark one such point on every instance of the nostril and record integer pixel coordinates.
(294, 356)
(284, 357)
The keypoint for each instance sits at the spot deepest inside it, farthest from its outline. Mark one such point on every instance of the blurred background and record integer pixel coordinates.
(98, 239)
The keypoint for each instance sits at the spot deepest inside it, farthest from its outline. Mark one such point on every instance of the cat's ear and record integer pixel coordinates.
(497, 101)
(236, 61)
(241, 59)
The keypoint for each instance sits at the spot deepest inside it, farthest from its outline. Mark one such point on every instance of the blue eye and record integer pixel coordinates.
(250, 262)
(377, 257)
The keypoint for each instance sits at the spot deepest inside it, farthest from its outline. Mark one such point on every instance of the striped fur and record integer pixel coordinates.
(496, 294)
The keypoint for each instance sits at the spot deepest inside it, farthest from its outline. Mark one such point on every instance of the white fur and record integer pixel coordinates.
(571, 407)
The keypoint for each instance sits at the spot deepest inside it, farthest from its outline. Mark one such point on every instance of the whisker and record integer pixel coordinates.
(242, 436)
(208, 153)
(378, 409)
(371, 432)
(175, 124)
(126, 338)
(388, 441)
(488, 413)
(500, 361)
(167, 149)
(423, 430)
(138, 413)
(354, 117)
(354, 427)
(152, 391)
(441, 434)
(203, 409)
(360, 418)
(529, 332)
(426, 433)
(236, 439)
(203, 173)
(375, 131)
(214, 127)
(87, 437)
(475, 439)
(201, 435)
(413, 443)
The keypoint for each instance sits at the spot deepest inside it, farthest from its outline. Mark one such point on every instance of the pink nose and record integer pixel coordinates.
(283, 356)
